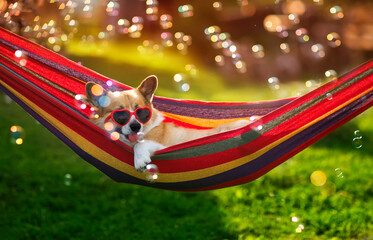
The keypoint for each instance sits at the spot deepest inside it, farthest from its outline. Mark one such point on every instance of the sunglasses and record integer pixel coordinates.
(123, 116)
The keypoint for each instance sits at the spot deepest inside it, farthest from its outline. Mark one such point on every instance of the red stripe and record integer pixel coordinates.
(48, 54)
(78, 124)
(97, 137)
(278, 112)
(285, 157)
(183, 124)
(289, 126)
(211, 103)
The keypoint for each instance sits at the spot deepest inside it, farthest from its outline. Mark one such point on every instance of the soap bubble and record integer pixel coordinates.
(285, 48)
(318, 178)
(218, 6)
(236, 58)
(182, 82)
(219, 59)
(212, 30)
(187, 39)
(26, 31)
(104, 101)
(329, 96)
(318, 50)
(294, 18)
(112, 8)
(87, 11)
(299, 229)
(336, 12)
(15, 9)
(192, 70)
(94, 113)
(178, 77)
(282, 32)
(167, 39)
(151, 172)
(21, 57)
(123, 25)
(152, 10)
(294, 219)
(109, 126)
(318, 2)
(110, 29)
(182, 47)
(226, 44)
(357, 142)
(17, 134)
(302, 35)
(97, 90)
(274, 83)
(140, 137)
(357, 134)
(185, 87)
(331, 74)
(186, 10)
(258, 129)
(18, 53)
(67, 179)
(312, 84)
(79, 102)
(109, 83)
(136, 27)
(258, 51)
(338, 173)
(166, 21)
(334, 40)
(240, 66)
(114, 136)
(12, 26)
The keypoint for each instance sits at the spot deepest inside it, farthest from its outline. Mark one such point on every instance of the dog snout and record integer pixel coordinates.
(135, 126)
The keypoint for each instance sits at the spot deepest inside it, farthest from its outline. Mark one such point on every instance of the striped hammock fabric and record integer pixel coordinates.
(45, 84)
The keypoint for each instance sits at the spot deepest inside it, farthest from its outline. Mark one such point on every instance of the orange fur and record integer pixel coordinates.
(167, 134)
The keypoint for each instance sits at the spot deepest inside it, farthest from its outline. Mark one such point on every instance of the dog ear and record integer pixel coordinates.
(93, 93)
(148, 87)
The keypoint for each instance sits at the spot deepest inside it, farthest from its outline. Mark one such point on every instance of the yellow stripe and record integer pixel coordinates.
(202, 173)
(108, 159)
(77, 139)
(202, 122)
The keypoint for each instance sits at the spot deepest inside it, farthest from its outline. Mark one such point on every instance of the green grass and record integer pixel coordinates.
(36, 202)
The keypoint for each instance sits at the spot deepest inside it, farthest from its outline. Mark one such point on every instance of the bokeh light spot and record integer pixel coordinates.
(318, 178)
(151, 173)
(97, 90)
(109, 126)
(114, 136)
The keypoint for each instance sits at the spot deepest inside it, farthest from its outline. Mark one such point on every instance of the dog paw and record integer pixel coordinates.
(141, 162)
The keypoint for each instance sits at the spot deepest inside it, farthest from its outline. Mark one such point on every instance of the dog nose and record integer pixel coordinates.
(135, 126)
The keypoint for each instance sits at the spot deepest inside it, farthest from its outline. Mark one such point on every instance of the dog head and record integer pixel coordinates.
(128, 112)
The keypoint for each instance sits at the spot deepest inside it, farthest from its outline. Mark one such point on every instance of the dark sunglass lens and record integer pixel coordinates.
(121, 117)
(143, 114)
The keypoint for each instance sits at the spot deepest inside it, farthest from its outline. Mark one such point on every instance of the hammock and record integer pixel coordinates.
(45, 85)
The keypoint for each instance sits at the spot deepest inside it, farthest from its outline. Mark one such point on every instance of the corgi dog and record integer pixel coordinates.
(131, 114)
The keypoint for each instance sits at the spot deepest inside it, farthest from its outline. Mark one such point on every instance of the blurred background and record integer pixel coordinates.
(227, 50)
(268, 42)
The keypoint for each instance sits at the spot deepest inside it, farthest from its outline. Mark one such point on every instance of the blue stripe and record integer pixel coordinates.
(273, 154)
(113, 173)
